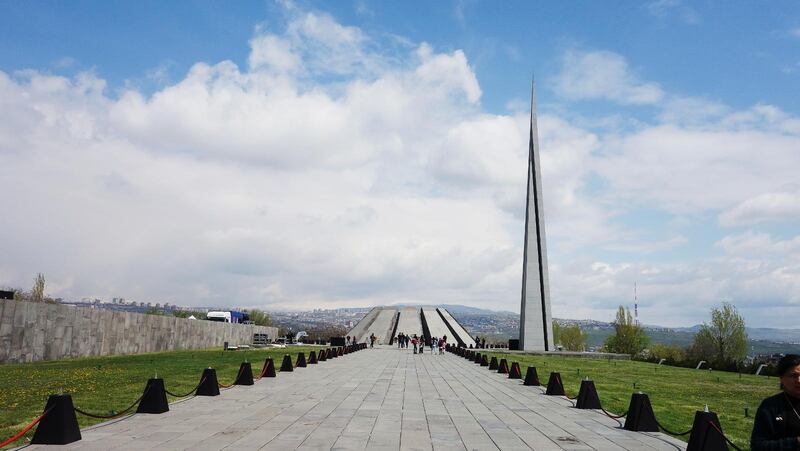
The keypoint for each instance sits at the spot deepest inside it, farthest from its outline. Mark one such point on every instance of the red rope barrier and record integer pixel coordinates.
(234, 381)
(25, 430)
(723, 436)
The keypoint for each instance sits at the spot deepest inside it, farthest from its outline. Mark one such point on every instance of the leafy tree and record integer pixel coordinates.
(556, 332)
(19, 295)
(723, 342)
(573, 338)
(674, 354)
(154, 311)
(259, 318)
(37, 292)
(628, 337)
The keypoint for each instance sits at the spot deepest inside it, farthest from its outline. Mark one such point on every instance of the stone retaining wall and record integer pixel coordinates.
(36, 331)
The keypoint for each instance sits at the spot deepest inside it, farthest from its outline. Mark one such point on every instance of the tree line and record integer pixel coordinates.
(721, 342)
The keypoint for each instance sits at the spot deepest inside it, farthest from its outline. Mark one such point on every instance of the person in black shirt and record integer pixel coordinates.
(777, 423)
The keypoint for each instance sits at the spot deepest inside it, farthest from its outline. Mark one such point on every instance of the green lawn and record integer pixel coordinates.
(675, 393)
(101, 385)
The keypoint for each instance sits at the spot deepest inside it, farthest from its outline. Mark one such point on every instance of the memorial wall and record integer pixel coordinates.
(31, 332)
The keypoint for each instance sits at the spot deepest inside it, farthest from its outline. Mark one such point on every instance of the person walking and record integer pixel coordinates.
(434, 344)
(372, 340)
(414, 343)
(442, 343)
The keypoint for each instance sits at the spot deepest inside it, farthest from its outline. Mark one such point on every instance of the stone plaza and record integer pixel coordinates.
(376, 399)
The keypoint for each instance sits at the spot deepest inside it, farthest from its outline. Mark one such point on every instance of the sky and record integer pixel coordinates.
(298, 155)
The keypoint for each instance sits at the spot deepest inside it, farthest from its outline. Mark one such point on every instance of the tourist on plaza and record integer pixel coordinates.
(399, 340)
(371, 340)
(483, 342)
(434, 344)
(777, 423)
(414, 343)
(442, 344)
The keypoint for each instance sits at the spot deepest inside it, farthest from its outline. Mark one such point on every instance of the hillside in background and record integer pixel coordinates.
(500, 326)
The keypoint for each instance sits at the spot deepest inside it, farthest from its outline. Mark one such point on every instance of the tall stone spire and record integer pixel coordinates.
(535, 322)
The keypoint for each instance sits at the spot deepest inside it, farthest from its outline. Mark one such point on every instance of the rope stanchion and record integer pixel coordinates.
(24, 430)
(60, 425)
(202, 381)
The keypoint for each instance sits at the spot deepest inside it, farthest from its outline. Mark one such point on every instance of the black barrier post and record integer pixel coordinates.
(493, 363)
(587, 396)
(332, 353)
(640, 415)
(341, 351)
(301, 360)
(208, 383)
(554, 385)
(322, 355)
(269, 368)
(286, 365)
(503, 367)
(312, 358)
(531, 377)
(245, 376)
(703, 436)
(477, 358)
(484, 360)
(59, 426)
(515, 372)
(154, 399)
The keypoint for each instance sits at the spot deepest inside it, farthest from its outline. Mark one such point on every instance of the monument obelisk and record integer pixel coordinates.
(535, 319)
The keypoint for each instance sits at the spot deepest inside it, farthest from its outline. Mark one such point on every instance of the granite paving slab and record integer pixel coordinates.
(375, 399)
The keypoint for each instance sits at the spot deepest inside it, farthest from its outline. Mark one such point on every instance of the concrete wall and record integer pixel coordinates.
(35, 331)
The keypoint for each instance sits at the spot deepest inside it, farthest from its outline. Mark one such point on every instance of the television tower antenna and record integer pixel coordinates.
(635, 305)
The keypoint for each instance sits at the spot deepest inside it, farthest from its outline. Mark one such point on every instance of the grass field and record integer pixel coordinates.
(675, 393)
(101, 385)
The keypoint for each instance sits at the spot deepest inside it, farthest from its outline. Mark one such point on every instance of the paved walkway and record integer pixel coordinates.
(376, 399)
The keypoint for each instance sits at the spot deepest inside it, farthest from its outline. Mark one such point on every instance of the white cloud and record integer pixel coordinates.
(751, 244)
(256, 187)
(274, 52)
(666, 8)
(689, 169)
(385, 183)
(603, 75)
(767, 207)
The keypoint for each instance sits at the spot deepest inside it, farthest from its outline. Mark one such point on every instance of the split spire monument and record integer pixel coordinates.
(535, 319)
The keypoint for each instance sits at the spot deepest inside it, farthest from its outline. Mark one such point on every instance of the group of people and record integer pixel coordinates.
(352, 340)
(419, 343)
